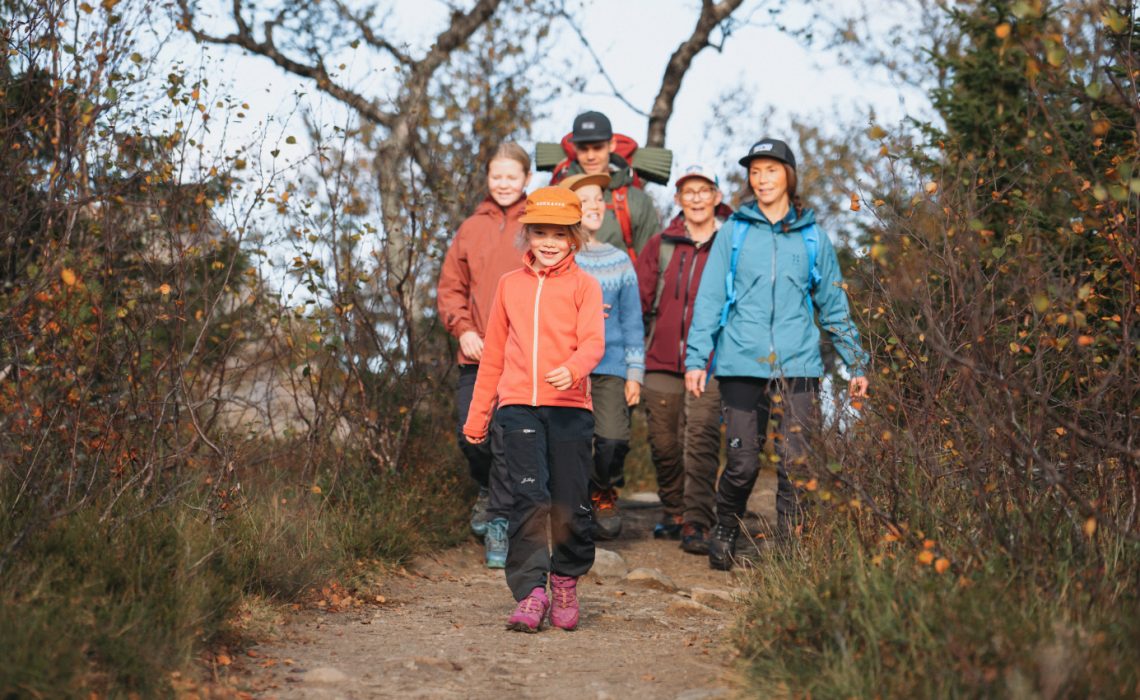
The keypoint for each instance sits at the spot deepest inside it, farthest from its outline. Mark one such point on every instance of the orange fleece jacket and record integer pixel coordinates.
(566, 306)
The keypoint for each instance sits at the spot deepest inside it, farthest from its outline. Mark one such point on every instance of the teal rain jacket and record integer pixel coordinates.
(772, 314)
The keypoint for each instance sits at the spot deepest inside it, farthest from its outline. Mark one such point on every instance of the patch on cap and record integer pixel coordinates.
(761, 147)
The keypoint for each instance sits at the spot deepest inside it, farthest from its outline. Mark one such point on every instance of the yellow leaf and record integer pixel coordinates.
(1085, 340)
(928, 544)
(942, 565)
(1002, 31)
(812, 485)
(68, 277)
(1013, 348)
(925, 557)
(1090, 527)
(165, 289)
(317, 489)
(87, 8)
(877, 132)
(223, 659)
(931, 187)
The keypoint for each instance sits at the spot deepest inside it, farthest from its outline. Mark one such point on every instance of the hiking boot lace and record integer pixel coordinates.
(604, 500)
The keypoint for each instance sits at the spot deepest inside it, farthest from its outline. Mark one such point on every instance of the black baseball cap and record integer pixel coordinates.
(591, 127)
(770, 148)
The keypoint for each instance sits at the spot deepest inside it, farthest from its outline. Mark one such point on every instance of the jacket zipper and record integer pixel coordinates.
(772, 318)
(534, 356)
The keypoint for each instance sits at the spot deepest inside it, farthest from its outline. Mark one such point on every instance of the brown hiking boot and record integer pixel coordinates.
(695, 538)
(606, 517)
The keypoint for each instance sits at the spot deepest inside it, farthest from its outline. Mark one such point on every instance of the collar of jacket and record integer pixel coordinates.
(621, 173)
(751, 213)
(490, 206)
(566, 265)
(676, 232)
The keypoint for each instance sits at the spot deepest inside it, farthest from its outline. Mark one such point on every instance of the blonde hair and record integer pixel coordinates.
(509, 150)
(574, 232)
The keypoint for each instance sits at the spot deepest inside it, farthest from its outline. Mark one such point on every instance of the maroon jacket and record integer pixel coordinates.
(682, 279)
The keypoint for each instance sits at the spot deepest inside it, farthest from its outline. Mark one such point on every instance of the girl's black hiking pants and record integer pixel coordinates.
(747, 405)
(548, 468)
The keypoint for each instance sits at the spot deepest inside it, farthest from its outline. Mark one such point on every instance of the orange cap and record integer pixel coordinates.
(552, 205)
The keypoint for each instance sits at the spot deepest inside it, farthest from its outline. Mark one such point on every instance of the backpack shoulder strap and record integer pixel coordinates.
(664, 256)
(620, 208)
(739, 231)
(811, 236)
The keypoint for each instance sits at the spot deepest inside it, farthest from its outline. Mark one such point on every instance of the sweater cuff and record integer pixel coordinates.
(634, 374)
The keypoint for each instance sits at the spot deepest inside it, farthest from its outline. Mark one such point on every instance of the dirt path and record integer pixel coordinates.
(440, 633)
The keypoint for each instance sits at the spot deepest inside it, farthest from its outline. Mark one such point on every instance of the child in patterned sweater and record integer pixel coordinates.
(617, 380)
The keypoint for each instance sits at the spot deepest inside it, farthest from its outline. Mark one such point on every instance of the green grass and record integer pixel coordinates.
(834, 621)
(112, 607)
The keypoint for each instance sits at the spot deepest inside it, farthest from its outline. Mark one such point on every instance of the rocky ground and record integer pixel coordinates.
(652, 624)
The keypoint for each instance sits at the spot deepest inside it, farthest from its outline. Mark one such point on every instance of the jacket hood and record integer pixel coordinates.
(490, 206)
(619, 177)
(751, 212)
(676, 227)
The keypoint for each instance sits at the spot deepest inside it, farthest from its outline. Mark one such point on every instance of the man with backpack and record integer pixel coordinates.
(630, 219)
(684, 430)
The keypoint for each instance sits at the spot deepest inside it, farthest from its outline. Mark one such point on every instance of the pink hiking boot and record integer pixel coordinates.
(530, 612)
(564, 611)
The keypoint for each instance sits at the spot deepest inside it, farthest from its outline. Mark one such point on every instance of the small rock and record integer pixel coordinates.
(644, 497)
(648, 578)
(683, 607)
(703, 694)
(608, 564)
(708, 596)
(326, 676)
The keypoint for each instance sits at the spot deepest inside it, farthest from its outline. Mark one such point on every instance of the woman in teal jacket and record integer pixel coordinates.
(767, 356)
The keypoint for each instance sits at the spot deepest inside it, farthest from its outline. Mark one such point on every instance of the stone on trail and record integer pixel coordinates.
(644, 497)
(708, 596)
(703, 694)
(683, 607)
(648, 578)
(608, 564)
(325, 676)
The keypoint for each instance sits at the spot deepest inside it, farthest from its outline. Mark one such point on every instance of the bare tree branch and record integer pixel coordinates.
(712, 15)
(597, 61)
(244, 38)
(370, 37)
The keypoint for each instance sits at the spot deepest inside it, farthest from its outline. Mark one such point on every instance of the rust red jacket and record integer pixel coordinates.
(481, 253)
(682, 279)
(539, 322)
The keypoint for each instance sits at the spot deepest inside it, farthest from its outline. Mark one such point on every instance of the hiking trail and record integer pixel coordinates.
(440, 632)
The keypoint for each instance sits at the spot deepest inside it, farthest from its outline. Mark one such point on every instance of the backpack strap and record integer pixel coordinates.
(620, 208)
(739, 231)
(664, 256)
(811, 236)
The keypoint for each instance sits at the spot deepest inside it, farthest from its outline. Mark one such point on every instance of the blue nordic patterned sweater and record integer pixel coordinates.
(625, 334)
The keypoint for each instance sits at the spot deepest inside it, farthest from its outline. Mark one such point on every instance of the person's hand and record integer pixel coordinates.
(632, 393)
(471, 345)
(695, 380)
(857, 387)
(475, 441)
(560, 379)
(605, 308)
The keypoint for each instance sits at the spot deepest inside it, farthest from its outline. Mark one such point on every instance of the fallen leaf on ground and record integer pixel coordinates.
(647, 678)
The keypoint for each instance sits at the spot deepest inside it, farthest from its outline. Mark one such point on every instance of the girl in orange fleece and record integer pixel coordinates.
(546, 333)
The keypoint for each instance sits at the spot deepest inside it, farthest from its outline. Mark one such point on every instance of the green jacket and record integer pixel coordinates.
(642, 214)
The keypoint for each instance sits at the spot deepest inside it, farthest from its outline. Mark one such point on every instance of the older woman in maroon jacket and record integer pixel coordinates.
(684, 431)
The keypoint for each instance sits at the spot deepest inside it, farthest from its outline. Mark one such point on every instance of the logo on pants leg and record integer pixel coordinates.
(527, 480)
(734, 442)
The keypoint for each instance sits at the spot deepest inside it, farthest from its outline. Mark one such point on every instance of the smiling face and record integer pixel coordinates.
(506, 179)
(593, 207)
(594, 157)
(769, 180)
(550, 244)
(698, 199)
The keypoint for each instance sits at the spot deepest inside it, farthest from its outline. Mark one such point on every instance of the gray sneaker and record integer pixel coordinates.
(496, 542)
(479, 512)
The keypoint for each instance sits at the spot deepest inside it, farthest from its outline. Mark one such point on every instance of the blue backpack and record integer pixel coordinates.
(739, 231)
